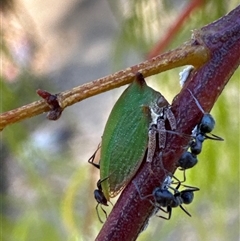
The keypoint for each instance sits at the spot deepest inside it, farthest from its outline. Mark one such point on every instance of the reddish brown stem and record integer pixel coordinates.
(163, 43)
(222, 38)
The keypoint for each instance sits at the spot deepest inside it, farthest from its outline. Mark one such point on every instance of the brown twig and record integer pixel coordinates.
(190, 52)
(130, 214)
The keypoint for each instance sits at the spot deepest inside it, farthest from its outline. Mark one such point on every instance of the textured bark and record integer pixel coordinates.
(222, 38)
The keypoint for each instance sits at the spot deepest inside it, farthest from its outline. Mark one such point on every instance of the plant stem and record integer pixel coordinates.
(188, 53)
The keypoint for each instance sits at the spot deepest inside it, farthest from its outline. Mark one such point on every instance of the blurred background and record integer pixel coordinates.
(46, 184)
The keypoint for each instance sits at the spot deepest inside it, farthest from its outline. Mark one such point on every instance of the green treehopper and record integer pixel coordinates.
(135, 121)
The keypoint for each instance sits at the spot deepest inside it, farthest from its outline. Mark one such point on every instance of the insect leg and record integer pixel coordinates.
(196, 101)
(171, 118)
(151, 143)
(185, 210)
(139, 192)
(169, 211)
(92, 158)
(98, 212)
(162, 135)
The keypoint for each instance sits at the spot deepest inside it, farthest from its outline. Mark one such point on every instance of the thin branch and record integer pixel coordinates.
(190, 52)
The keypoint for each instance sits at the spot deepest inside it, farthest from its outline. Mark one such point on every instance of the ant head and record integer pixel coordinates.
(187, 196)
(207, 123)
(100, 198)
(98, 194)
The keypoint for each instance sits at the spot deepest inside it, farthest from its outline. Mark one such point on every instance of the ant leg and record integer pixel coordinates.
(178, 181)
(171, 118)
(151, 143)
(169, 211)
(94, 164)
(104, 211)
(178, 184)
(152, 133)
(92, 158)
(190, 188)
(196, 101)
(185, 210)
(161, 163)
(213, 137)
(161, 133)
(98, 213)
(184, 176)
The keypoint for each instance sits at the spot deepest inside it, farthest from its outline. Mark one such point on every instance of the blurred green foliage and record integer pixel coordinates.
(52, 197)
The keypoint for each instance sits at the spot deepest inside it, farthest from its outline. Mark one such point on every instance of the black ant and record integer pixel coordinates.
(200, 133)
(166, 199)
(100, 198)
(98, 193)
